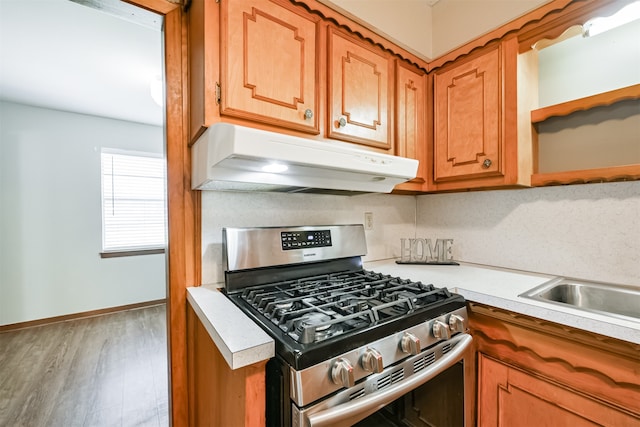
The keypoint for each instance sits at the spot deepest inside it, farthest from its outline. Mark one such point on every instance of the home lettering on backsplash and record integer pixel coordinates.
(423, 250)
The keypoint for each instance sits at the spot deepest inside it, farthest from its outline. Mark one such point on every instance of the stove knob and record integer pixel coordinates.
(456, 323)
(441, 330)
(372, 361)
(342, 373)
(410, 344)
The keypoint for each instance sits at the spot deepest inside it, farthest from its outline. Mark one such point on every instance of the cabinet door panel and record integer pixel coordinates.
(269, 65)
(411, 121)
(359, 77)
(512, 397)
(468, 113)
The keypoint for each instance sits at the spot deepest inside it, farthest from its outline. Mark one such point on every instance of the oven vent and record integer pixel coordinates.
(446, 348)
(397, 376)
(392, 378)
(384, 382)
(356, 394)
(423, 362)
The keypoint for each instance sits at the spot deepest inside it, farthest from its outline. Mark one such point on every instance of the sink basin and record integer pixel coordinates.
(602, 298)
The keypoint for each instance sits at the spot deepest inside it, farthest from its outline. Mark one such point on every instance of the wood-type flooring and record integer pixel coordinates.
(108, 370)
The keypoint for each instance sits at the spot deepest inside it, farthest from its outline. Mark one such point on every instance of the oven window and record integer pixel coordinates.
(437, 403)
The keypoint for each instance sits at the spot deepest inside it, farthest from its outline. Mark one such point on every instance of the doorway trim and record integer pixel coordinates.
(183, 210)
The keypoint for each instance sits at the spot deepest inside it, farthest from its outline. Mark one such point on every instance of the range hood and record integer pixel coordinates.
(238, 158)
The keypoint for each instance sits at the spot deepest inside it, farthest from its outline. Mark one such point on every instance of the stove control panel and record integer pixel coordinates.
(441, 330)
(372, 361)
(456, 323)
(303, 239)
(342, 373)
(410, 344)
(374, 358)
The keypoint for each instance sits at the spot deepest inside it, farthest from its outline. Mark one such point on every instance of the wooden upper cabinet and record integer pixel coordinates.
(360, 89)
(411, 121)
(269, 70)
(468, 108)
(475, 121)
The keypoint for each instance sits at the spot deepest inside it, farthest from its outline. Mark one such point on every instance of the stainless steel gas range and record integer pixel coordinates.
(352, 346)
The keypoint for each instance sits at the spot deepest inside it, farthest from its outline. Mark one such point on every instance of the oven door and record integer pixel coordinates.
(389, 398)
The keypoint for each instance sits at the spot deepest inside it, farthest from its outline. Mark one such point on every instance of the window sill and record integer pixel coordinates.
(116, 254)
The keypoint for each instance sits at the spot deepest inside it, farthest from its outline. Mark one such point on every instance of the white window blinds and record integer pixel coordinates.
(133, 201)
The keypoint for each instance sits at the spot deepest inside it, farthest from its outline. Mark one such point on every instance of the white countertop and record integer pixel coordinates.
(240, 341)
(243, 343)
(500, 288)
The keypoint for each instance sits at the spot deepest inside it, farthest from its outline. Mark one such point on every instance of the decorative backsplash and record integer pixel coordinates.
(392, 216)
(589, 231)
(584, 231)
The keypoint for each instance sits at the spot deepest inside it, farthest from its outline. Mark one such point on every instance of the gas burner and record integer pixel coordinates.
(402, 295)
(328, 332)
(314, 319)
(281, 308)
(314, 327)
(353, 305)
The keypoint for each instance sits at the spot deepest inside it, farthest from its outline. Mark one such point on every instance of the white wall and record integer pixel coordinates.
(585, 66)
(50, 218)
(431, 31)
(393, 218)
(455, 22)
(589, 231)
(407, 22)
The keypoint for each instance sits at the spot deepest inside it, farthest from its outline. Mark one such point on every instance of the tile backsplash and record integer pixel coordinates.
(393, 218)
(584, 231)
(589, 232)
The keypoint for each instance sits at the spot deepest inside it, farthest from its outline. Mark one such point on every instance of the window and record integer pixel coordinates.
(133, 201)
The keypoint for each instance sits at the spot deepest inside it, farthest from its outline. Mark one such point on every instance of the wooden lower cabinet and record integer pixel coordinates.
(219, 396)
(536, 373)
(515, 397)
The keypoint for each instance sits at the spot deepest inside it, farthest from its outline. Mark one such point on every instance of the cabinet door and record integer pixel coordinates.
(468, 118)
(411, 121)
(269, 67)
(512, 397)
(359, 92)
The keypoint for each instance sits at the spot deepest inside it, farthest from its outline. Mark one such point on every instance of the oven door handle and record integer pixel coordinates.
(358, 409)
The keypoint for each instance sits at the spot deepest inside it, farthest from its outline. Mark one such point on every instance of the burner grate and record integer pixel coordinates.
(319, 307)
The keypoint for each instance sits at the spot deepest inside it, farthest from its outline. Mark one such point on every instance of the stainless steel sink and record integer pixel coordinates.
(602, 298)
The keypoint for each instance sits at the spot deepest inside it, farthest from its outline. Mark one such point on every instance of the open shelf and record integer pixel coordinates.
(599, 100)
(629, 172)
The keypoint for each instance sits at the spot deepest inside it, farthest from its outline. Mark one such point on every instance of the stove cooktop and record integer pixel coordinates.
(317, 317)
(306, 286)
